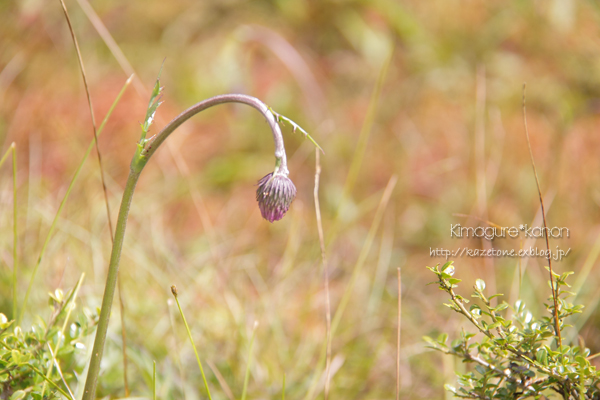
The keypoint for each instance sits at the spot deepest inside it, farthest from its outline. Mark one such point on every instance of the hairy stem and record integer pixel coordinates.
(145, 150)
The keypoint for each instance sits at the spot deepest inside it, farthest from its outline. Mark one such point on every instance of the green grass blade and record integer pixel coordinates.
(154, 380)
(64, 200)
(295, 127)
(366, 129)
(174, 291)
(361, 147)
(15, 237)
(37, 371)
(12, 149)
(62, 377)
(5, 155)
(247, 376)
(283, 391)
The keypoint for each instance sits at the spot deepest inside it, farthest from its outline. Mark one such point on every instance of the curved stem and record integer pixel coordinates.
(145, 150)
(157, 140)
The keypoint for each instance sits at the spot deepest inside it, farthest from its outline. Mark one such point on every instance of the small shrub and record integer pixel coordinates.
(517, 355)
(29, 359)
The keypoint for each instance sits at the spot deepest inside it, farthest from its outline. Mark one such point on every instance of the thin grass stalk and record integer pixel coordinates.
(398, 337)
(112, 45)
(325, 272)
(283, 389)
(177, 351)
(15, 236)
(221, 380)
(189, 332)
(68, 192)
(54, 385)
(62, 377)
(12, 150)
(91, 107)
(247, 374)
(481, 203)
(554, 288)
(154, 380)
(6, 153)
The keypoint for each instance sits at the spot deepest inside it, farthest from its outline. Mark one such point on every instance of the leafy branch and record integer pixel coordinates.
(514, 359)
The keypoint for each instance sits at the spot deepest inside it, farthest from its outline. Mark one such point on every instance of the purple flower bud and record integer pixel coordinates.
(275, 193)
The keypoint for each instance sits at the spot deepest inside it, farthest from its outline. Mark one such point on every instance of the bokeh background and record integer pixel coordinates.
(424, 98)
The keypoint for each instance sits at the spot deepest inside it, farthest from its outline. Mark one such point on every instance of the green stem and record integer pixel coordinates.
(144, 151)
(109, 291)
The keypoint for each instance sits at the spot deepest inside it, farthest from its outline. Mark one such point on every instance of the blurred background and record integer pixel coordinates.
(421, 98)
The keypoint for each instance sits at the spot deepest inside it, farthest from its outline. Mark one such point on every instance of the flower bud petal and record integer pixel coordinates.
(275, 193)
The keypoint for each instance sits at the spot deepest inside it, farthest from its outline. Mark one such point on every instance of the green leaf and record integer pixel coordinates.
(459, 297)
(452, 306)
(554, 274)
(542, 356)
(447, 265)
(18, 395)
(494, 325)
(443, 338)
(582, 361)
(431, 341)
(152, 106)
(16, 356)
(280, 118)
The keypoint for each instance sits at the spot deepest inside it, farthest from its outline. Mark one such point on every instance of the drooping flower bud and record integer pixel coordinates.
(275, 193)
